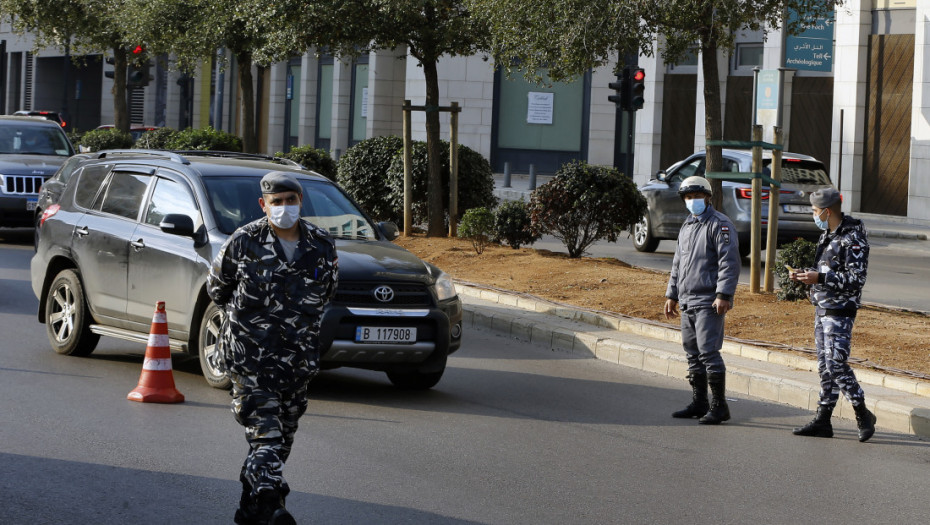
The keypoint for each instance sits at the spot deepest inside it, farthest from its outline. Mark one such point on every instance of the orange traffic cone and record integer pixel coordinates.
(156, 384)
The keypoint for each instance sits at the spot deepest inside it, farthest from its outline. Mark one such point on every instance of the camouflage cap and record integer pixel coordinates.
(825, 197)
(280, 181)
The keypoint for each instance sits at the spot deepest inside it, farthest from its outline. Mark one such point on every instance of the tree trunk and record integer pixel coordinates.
(713, 118)
(435, 210)
(120, 105)
(249, 138)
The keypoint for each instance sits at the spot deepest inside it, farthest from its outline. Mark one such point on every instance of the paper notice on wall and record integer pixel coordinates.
(539, 108)
(365, 102)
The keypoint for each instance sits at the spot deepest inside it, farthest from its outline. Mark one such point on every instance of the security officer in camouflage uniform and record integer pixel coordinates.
(836, 291)
(272, 279)
(705, 272)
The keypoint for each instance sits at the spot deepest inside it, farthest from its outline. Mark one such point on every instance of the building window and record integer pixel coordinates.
(748, 56)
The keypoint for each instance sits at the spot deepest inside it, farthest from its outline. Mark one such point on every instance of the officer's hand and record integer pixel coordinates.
(806, 277)
(671, 309)
(722, 306)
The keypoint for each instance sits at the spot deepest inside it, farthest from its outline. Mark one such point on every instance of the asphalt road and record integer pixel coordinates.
(513, 434)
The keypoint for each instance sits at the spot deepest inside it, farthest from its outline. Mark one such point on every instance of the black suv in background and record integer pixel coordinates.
(31, 150)
(134, 227)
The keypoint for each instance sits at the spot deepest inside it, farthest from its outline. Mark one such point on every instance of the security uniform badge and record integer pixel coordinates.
(725, 230)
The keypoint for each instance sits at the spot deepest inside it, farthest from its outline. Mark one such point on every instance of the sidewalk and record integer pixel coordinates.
(900, 404)
(886, 226)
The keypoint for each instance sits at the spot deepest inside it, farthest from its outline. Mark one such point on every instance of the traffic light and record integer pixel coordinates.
(621, 97)
(140, 66)
(637, 89)
(110, 74)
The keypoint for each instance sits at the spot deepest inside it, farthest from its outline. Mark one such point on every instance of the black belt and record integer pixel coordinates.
(841, 312)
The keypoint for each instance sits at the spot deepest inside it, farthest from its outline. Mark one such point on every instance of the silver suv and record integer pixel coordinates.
(31, 151)
(801, 175)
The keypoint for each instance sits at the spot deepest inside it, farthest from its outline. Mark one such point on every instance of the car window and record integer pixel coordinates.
(170, 196)
(329, 208)
(695, 167)
(124, 194)
(88, 185)
(34, 140)
(234, 201)
(69, 168)
(794, 171)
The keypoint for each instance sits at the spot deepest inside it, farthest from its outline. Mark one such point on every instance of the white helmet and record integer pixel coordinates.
(694, 184)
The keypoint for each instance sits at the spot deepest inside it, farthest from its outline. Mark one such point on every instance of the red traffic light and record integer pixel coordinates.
(137, 50)
(639, 75)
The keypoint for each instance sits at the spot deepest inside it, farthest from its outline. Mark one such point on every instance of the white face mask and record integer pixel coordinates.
(284, 216)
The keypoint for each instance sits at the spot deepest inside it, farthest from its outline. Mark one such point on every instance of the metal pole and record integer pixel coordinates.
(532, 177)
(453, 168)
(756, 234)
(408, 176)
(774, 210)
(755, 93)
(839, 168)
(507, 174)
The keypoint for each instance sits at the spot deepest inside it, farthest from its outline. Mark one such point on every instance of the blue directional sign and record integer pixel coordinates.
(812, 49)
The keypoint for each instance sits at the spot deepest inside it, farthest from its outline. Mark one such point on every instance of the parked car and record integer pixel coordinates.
(134, 227)
(31, 150)
(801, 175)
(54, 116)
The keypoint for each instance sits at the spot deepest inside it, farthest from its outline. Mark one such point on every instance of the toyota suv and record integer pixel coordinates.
(134, 227)
(31, 151)
(801, 175)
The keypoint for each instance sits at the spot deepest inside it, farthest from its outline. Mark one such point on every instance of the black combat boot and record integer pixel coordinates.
(865, 420)
(819, 426)
(719, 411)
(247, 513)
(271, 509)
(699, 405)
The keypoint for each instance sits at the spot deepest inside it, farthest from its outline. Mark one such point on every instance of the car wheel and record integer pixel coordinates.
(643, 240)
(207, 337)
(67, 322)
(415, 380)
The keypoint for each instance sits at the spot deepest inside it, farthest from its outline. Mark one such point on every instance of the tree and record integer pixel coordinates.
(193, 30)
(430, 29)
(571, 36)
(79, 27)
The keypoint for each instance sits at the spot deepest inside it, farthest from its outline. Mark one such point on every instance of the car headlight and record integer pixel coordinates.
(444, 287)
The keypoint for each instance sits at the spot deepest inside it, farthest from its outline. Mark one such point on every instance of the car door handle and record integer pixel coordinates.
(137, 245)
(81, 230)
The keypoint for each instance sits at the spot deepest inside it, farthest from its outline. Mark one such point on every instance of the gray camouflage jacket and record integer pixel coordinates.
(707, 262)
(273, 307)
(843, 261)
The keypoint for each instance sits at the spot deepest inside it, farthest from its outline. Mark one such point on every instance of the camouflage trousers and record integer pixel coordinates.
(270, 419)
(832, 335)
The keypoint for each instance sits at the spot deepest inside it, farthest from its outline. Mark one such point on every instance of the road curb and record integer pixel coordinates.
(901, 404)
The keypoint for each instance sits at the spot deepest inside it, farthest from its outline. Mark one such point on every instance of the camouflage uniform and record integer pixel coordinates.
(842, 260)
(269, 338)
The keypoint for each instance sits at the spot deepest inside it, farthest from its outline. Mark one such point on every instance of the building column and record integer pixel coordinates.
(387, 78)
(647, 147)
(700, 127)
(850, 82)
(342, 106)
(274, 140)
(918, 194)
(309, 77)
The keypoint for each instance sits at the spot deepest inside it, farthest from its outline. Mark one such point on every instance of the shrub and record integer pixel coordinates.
(101, 139)
(205, 139)
(75, 137)
(312, 158)
(512, 224)
(160, 138)
(362, 172)
(475, 181)
(478, 227)
(798, 254)
(583, 204)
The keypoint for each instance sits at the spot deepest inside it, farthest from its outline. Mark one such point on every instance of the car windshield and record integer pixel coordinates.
(795, 171)
(235, 203)
(33, 140)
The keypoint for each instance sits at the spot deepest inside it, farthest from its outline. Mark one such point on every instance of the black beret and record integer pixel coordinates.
(280, 181)
(825, 197)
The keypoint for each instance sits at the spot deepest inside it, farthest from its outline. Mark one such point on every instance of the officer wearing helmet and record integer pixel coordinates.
(704, 275)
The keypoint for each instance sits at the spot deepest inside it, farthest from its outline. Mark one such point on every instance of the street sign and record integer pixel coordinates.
(812, 49)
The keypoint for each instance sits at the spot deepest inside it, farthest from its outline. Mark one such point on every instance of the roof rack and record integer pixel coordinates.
(170, 155)
(237, 155)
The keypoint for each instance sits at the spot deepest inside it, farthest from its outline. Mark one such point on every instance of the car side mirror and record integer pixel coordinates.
(177, 224)
(389, 229)
(661, 176)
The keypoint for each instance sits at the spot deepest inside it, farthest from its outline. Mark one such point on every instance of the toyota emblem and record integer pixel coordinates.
(384, 294)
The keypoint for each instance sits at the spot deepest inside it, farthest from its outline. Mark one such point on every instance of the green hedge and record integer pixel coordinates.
(311, 158)
(101, 139)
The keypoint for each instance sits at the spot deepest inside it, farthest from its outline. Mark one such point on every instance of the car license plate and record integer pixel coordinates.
(31, 205)
(797, 208)
(380, 334)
